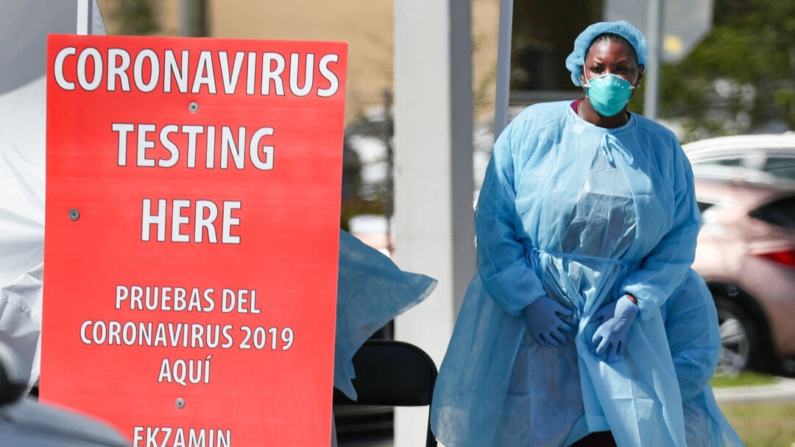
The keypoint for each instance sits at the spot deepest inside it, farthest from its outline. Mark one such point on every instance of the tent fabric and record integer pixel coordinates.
(26, 23)
(23, 107)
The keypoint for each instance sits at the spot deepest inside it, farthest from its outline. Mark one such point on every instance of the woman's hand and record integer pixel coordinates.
(544, 322)
(610, 339)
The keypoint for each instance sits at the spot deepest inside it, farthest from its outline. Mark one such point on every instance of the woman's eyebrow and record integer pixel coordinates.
(613, 62)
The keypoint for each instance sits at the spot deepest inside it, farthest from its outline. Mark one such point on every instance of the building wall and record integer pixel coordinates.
(485, 27)
(366, 25)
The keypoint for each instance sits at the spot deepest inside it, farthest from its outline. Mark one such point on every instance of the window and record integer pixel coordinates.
(780, 212)
(543, 33)
(731, 162)
(781, 167)
(702, 206)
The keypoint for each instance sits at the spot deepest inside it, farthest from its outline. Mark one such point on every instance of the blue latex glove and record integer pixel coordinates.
(544, 322)
(610, 339)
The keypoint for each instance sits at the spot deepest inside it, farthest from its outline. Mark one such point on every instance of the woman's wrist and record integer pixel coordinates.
(632, 298)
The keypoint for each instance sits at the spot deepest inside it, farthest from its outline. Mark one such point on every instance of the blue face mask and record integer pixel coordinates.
(608, 94)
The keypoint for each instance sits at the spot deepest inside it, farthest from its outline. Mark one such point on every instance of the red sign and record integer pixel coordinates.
(193, 194)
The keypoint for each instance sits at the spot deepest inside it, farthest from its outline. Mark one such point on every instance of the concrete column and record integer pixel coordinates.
(502, 97)
(433, 173)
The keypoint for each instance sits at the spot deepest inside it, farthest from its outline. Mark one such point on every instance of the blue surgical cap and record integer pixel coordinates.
(576, 59)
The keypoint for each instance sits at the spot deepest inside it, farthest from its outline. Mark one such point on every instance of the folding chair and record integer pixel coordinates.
(392, 373)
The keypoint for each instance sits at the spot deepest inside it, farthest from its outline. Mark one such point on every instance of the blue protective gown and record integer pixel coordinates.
(582, 214)
(691, 324)
(371, 291)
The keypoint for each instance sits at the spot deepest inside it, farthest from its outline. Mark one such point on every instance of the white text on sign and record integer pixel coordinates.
(206, 212)
(191, 371)
(166, 72)
(180, 437)
(233, 146)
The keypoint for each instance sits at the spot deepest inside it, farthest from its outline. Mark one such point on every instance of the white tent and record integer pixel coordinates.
(24, 25)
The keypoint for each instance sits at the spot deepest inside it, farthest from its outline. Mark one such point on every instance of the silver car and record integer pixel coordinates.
(745, 187)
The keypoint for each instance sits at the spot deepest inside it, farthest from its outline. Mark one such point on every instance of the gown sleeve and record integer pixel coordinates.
(502, 262)
(664, 268)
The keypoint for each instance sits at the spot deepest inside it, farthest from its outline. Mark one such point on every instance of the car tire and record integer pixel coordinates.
(739, 338)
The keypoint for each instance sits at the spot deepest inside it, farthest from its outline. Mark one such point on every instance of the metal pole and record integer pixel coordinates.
(184, 17)
(193, 18)
(389, 204)
(503, 67)
(653, 67)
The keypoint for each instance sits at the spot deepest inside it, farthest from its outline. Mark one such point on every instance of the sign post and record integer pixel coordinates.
(191, 239)
(503, 94)
(673, 28)
(683, 23)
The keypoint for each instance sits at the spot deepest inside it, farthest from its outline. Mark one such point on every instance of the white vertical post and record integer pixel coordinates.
(651, 96)
(84, 15)
(503, 67)
(433, 115)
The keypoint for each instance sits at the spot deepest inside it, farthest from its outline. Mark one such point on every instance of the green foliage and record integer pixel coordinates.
(742, 75)
(136, 17)
(763, 424)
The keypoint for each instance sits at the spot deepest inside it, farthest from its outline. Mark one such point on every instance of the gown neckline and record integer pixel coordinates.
(630, 124)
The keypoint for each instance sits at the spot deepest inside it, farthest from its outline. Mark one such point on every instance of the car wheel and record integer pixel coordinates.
(737, 337)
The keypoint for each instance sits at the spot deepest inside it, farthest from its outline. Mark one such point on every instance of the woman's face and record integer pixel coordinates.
(612, 57)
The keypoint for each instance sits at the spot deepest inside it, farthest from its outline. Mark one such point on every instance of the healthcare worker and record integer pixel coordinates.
(586, 223)
(691, 326)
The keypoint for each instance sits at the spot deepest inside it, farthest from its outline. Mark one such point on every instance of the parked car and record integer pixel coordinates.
(768, 159)
(745, 187)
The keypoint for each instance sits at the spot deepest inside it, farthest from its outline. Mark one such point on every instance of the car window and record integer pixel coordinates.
(702, 206)
(721, 162)
(780, 212)
(781, 167)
